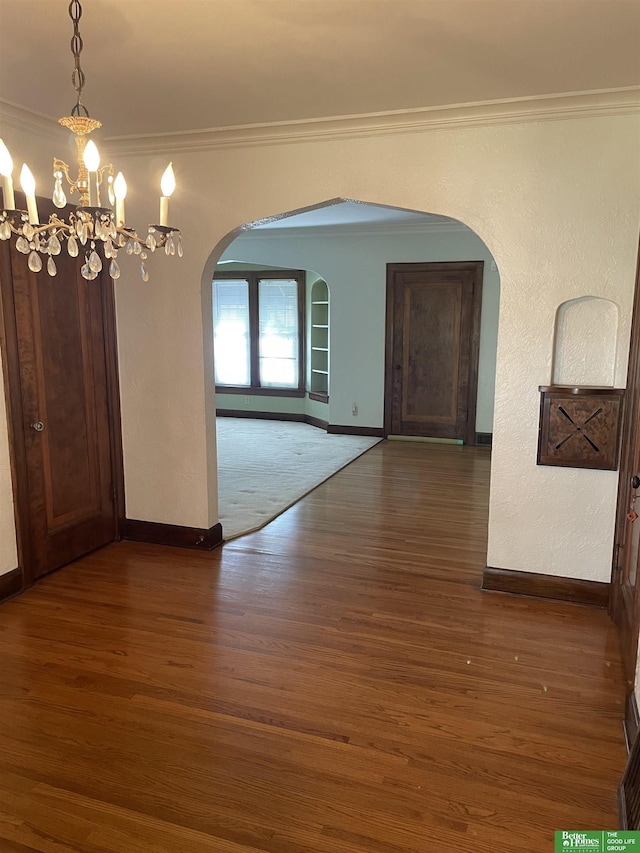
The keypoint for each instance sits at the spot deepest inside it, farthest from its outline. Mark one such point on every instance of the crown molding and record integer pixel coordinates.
(14, 116)
(605, 102)
(352, 229)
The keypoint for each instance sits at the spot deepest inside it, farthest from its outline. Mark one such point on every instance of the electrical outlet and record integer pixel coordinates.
(354, 409)
(247, 401)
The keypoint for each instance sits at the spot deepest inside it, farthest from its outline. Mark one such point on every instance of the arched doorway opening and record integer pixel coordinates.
(349, 245)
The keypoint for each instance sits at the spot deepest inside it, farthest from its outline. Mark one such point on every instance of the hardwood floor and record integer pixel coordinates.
(335, 683)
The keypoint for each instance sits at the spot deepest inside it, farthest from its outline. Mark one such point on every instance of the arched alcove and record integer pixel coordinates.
(319, 341)
(584, 350)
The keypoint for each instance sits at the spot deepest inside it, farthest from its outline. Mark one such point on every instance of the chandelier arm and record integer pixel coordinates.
(54, 223)
(61, 166)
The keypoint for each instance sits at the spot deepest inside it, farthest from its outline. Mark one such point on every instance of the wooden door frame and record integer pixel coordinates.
(629, 427)
(477, 267)
(16, 414)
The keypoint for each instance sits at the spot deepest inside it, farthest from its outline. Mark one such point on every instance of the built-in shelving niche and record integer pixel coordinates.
(580, 412)
(319, 356)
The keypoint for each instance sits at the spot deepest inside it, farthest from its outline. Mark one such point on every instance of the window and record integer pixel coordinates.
(258, 331)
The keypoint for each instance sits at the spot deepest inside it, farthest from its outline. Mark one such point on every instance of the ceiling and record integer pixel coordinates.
(157, 66)
(353, 213)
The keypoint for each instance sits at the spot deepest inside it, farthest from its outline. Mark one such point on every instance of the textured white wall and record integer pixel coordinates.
(558, 205)
(354, 265)
(586, 340)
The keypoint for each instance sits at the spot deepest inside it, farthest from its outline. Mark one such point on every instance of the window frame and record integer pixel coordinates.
(253, 277)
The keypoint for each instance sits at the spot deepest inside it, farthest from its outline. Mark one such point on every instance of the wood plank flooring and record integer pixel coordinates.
(335, 683)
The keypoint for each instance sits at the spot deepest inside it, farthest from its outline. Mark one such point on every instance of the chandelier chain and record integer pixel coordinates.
(77, 76)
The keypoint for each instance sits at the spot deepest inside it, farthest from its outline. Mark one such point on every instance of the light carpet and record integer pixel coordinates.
(266, 466)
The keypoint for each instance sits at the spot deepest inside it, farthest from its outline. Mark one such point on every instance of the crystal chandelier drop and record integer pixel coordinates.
(89, 225)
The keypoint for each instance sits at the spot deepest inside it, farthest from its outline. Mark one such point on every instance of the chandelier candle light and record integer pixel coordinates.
(90, 223)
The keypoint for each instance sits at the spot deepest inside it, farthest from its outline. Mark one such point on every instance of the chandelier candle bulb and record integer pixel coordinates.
(92, 162)
(6, 168)
(28, 184)
(167, 185)
(120, 192)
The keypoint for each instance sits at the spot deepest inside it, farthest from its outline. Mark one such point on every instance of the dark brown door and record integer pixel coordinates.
(57, 353)
(433, 332)
(625, 604)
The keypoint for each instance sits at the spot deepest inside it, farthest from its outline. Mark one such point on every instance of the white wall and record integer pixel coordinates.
(556, 202)
(354, 266)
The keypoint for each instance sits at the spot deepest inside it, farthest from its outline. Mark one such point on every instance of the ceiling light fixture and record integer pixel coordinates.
(89, 224)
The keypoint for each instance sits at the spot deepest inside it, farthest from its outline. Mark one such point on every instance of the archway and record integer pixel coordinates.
(349, 243)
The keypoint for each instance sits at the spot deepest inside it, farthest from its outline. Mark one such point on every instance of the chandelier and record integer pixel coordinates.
(89, 225)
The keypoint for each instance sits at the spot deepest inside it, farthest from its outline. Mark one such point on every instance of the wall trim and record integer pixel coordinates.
(38, 124)
(261, 416)
(339, 429)
(11, 584)
(334, 429)
(298, 417)
(599, 102)
(534, 585)
(484, 439)
(631, 722)
(316, 422)
(173, 534)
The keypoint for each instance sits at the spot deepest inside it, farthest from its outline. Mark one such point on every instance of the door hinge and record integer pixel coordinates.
(616, 561)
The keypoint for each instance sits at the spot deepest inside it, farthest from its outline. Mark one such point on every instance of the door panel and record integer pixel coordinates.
(625, 604)
(433, 321)
(59, 400)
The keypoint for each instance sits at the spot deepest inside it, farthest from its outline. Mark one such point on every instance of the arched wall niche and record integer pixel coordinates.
(585, 342)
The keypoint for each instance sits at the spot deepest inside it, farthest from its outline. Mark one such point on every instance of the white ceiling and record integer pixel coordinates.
(351, 213)
(157, 66)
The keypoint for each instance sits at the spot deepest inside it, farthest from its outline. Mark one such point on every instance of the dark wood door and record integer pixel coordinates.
(59, 386)
(433, 332)
(625, 595)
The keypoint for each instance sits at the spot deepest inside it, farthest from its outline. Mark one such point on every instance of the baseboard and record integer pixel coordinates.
(173, 534)
(336, 429)
(10, 584)
(535, 585)
(261, 416)
(316, 422)
(622, 808)
(298, 417)
(484, 439)
(339, 429)
(631, 720)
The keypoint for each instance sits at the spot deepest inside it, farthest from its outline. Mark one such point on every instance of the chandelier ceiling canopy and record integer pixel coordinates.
(98, 220)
